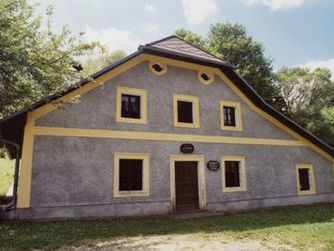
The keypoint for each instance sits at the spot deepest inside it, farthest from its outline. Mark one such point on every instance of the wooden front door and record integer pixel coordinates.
(186, 185)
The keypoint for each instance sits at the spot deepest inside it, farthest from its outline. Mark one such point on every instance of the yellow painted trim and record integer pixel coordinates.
(143, 104)
(209, 74)
(238, 115)
(243, 179)
(228, 82)
(154, 72)
(196, 114)
(200, 173)
(135, 135)
(311, 179)
(39, 112)
(24, 186)
(146, 174)
(24, 196)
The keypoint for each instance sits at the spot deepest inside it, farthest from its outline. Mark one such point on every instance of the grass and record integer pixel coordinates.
(6, 175)
(308, 227)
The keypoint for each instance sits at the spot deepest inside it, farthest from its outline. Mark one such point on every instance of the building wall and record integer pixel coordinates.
(96, 109)
(73, 176)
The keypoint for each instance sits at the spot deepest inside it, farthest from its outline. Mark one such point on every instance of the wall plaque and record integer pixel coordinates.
(187, 148)
(213, 165)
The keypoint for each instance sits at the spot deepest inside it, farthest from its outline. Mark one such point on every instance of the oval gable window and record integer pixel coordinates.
(157, 68)
(205, 77)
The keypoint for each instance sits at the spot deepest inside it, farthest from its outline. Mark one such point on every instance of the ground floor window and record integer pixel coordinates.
(233, 174)
(131, 174)
(305, 179)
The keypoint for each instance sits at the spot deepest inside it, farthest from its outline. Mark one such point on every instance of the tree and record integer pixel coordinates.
(309, 99)
(191, 37)
(93, 65)
(34, 61)
(231, 43)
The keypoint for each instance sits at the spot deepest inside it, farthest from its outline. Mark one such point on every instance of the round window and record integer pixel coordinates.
(206, 77)
(157, 68)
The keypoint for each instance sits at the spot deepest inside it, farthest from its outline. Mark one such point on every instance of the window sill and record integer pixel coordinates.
(131, 121)
(234, 190)
(122, 194)
(311, 192)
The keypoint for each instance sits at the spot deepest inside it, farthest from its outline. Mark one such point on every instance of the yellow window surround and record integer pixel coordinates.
(238, 115)
(143, 105)
(31, 130)
(146, 180)
(242, 173)
(312, 183)
(195, 110)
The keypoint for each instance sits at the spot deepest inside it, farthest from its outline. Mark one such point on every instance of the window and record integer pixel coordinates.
(157, 68)
(230, 113)
(131, 174)
(205, 77)
(186, 111)
(233, 174)
(305, 179)
(131, 105)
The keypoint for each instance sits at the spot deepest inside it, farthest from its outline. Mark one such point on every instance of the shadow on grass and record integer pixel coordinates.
(52, 234)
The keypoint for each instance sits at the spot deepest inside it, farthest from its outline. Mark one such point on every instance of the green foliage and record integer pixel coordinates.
(191, 37)
(304, 228)
(93, 65)
(309, 99)
(232, 43)
(35, 62)
(6, 175)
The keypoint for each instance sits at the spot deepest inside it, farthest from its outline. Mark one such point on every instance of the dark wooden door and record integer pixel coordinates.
(186, 185)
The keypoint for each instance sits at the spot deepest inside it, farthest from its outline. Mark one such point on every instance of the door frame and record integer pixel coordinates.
(200, 178)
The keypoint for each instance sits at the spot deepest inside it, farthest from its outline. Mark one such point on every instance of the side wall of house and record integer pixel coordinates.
(73, 176)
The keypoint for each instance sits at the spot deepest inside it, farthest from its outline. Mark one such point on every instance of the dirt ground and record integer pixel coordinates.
(185, 242)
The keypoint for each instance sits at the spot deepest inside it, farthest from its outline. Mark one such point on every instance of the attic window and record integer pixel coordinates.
(205, 77)
(157, 68)
(186, 111)
(131, 105)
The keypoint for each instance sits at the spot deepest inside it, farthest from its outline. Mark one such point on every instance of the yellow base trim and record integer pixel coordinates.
(135, 135)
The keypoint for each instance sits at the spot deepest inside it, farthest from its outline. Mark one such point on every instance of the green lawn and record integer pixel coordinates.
(6, 175)
(303, 228)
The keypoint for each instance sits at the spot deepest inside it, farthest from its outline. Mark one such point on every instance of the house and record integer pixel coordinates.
(170, 128)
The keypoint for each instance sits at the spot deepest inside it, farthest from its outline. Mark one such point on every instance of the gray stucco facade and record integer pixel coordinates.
(73, 176)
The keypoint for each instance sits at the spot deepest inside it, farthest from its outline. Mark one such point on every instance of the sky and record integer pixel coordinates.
(293, 32)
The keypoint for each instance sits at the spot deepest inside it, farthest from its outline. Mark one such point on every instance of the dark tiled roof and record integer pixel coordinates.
(173, 47)
(176, 44)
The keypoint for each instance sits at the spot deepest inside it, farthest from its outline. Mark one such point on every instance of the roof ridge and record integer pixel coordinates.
(161, 40)
(196, 46)
(187, 42)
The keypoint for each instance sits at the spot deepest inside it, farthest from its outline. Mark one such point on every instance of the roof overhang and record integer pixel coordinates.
(12, 128)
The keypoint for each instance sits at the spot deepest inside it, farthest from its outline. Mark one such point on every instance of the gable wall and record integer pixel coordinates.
(96, 109)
